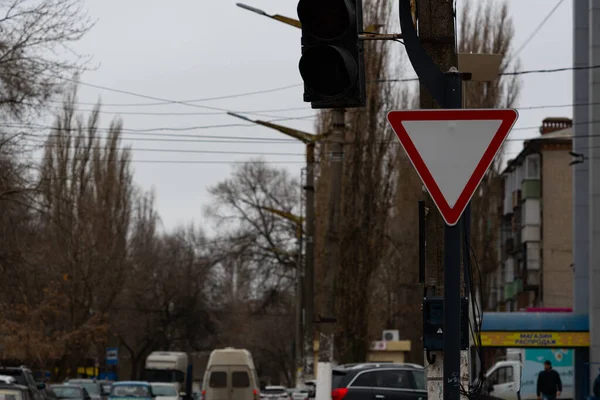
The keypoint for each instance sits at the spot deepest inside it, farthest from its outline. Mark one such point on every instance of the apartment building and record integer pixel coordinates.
(535, 268)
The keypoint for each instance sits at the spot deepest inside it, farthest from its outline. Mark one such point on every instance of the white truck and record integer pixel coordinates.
(516, 378)
(170, 367)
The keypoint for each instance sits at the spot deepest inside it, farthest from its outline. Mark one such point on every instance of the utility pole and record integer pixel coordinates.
(298, 331)
(309, 271)
(333, 250)
(436, 34)
(433, 56)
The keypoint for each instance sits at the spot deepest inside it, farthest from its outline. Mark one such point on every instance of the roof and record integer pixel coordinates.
(350, 367)
(563, 136)
(534, 322)
(131, 383)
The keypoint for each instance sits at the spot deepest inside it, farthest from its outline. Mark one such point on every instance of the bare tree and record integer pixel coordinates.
(259, 248)
(166, 292)
(85, 195)
(35, 39)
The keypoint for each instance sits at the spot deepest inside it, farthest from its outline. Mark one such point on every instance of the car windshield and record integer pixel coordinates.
(66, 392)
(164, 390)
(10, 394)
(130, 391)
(163, 375)
(92, 387)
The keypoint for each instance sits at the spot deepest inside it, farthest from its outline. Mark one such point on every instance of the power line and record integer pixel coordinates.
(189, 151)
(204, 162)
(524, 72)
(537, 29)
(162, 101)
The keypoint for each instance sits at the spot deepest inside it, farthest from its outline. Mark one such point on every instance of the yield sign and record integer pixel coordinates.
(452, 150)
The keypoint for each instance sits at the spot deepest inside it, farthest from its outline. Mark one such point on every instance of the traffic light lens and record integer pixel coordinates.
(328, 70)
(325, 19)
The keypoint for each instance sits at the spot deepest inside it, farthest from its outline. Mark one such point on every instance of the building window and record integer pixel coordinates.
(532, 166)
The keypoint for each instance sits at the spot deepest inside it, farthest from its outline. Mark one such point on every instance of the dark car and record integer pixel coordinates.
(379, 381)
(71, 391)
(14, 392)
(24, 377)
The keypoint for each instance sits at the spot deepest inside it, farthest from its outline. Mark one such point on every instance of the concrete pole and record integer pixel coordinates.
(594, 186)
(581, 191)
(333, 258)
(309, 272)
(299, 331)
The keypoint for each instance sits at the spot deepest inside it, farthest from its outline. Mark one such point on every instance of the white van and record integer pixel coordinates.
(230, 375)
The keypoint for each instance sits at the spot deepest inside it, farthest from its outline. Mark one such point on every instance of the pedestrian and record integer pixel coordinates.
(549, 384)
(596, 387)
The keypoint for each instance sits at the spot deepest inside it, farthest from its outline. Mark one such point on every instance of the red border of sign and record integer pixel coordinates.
(452, 214)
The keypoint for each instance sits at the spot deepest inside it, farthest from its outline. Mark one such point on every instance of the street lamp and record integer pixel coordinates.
(370, 32)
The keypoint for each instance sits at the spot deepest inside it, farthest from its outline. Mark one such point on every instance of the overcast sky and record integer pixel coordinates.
(199, 50)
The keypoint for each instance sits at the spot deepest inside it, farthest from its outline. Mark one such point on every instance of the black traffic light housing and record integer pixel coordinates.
(433, 324)
(332, 64)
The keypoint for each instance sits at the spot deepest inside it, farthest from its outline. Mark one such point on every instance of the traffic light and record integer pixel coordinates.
(332, 63)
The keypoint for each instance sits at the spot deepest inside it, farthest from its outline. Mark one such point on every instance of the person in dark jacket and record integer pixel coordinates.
(549, 384)
(596, 388)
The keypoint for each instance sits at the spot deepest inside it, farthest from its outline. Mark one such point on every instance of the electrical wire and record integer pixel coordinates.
(539, 27)
(162, 101)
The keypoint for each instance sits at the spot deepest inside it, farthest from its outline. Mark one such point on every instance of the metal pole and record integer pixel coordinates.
(452, 257)
(421, 241)
(309, 272)
(333, 258)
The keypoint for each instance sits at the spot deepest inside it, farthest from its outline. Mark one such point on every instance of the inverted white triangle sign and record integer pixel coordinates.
(452, 150)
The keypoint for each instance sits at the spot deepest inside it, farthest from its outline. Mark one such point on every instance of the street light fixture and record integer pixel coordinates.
(371, 31)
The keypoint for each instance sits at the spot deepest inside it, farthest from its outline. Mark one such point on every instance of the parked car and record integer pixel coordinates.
(48, 393)
(382, 381)
(129, 389)
(164, 391)
(71, 391)
(275, 393)
(299, 394)
(24, 377)
(105, 385)
(11, 391)
(93, 387)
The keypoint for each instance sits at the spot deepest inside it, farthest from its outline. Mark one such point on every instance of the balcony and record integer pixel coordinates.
(509, 291)
(531, 189)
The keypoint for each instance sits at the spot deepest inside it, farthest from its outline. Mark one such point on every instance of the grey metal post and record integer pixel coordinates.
(581, 211)
(452, 257)
(594, 183)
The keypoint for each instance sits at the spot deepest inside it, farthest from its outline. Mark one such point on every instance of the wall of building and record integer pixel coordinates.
(557, 228)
